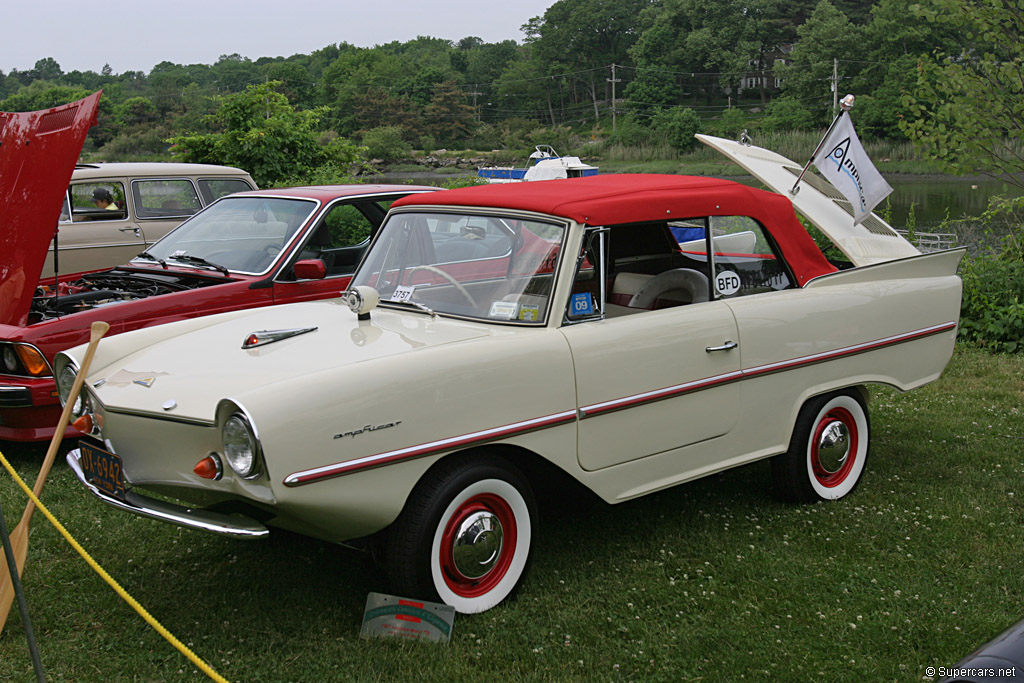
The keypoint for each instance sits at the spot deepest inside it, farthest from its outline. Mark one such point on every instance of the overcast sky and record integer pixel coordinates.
(134, 36)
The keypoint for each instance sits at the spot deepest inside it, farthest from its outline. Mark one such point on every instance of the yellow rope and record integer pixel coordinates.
(178, 645)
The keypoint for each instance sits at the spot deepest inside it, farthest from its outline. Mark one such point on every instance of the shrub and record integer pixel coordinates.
(992, 310)
(386, 143)
(678, 126)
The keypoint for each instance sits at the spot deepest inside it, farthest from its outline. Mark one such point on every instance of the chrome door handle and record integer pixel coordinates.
(135, 230)
(727, 346)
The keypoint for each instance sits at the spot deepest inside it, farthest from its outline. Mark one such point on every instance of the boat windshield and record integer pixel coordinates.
(494, 268)
(243, 234)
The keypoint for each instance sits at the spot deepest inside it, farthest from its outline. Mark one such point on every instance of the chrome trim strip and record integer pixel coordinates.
(473, 438)
(757, 371)
(144, 506)
(160, 416)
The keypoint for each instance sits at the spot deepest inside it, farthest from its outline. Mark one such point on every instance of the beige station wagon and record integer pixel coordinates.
(113, 211)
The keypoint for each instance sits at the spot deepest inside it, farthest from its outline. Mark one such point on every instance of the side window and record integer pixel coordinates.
(215, 188)
(97, 201)
(745, 259)
(65, 210)
(164, 198)
(588, 296)
(341, 238)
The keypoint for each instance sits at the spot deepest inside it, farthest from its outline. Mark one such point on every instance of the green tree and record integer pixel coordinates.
(678, 126)
(967, 107)
(448, 118)
(263, 134)
(386, 143)
(585, 37)
(826, 36)
(47, 69)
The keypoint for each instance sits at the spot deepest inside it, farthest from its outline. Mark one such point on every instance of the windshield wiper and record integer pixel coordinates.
(199, 260)
(414, 304)
(150, 257)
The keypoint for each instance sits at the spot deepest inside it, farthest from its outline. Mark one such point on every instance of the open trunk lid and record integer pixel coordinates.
(873, 241)
(38, 152)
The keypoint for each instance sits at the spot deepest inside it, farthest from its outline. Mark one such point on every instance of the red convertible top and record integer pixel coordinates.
(636, 198)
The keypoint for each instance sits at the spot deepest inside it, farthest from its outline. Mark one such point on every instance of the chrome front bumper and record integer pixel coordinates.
(204, 520)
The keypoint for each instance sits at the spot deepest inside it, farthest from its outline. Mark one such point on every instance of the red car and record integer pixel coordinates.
(245, 250)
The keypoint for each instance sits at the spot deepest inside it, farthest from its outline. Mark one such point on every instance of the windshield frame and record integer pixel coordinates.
(286, 248)
(563, 224)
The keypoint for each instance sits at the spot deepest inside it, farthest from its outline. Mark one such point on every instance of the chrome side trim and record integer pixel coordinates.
(144, 506)
(595, 409)
(471, 439)
(161, 416)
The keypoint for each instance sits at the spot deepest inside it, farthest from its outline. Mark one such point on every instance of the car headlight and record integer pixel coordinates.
(23, 359)
(65, 381)
(241, 448)
(10, 359)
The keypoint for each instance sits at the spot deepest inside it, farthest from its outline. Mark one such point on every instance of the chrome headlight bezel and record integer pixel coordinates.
(65, 379)
(240, 442)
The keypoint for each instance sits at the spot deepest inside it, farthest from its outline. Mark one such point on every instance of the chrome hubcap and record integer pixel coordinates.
(834, 446)
(477, 544)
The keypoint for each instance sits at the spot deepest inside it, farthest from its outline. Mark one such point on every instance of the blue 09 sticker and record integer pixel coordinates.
(581, 304)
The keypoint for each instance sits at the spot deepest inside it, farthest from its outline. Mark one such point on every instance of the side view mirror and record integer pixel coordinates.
(310, 269)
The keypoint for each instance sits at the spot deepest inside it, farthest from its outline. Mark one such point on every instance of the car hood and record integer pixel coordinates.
(196, 363)
(873, 241)
(38, 151)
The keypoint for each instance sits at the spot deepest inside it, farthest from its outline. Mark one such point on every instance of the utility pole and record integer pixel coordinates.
(474, 94)
(835, 84)
(613, 80)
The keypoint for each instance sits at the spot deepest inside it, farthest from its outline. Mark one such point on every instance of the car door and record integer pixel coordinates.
(91, 237)
(648, 381)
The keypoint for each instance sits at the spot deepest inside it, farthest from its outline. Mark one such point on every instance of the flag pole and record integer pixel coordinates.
(845, 105)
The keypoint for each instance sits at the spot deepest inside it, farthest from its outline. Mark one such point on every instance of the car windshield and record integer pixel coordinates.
(494, 268)
(243, 234)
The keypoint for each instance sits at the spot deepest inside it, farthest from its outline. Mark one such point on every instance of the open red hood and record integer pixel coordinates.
(38, 152)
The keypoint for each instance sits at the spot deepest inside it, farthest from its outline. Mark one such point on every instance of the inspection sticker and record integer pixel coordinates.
(529, 313)
(392, 616)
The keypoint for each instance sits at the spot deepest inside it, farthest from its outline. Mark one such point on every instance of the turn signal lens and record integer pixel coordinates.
(84, 424)
(33, 361)
(208, 468)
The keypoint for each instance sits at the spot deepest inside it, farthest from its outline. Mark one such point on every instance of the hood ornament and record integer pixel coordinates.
(264, 337)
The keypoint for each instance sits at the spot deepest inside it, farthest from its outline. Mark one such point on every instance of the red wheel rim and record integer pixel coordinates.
(464, 586)
(821, 474)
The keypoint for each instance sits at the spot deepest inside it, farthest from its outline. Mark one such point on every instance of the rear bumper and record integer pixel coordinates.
(144, 506)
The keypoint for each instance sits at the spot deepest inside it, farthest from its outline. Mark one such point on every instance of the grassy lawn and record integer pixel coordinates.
(710, 581)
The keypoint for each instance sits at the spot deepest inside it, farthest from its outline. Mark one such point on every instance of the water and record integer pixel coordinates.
(936, 197)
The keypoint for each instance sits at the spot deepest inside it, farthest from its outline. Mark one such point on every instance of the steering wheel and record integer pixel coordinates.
(452, 281)
(691, 281)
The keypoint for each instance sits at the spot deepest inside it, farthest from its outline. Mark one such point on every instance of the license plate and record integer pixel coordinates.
(103, 470)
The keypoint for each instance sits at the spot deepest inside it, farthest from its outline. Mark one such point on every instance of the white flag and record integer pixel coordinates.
(846, 165)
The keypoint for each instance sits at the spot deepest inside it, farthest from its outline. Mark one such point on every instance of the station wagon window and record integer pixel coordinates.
(84, 208)
(215, 188)
(165, 198)
(490, 267)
